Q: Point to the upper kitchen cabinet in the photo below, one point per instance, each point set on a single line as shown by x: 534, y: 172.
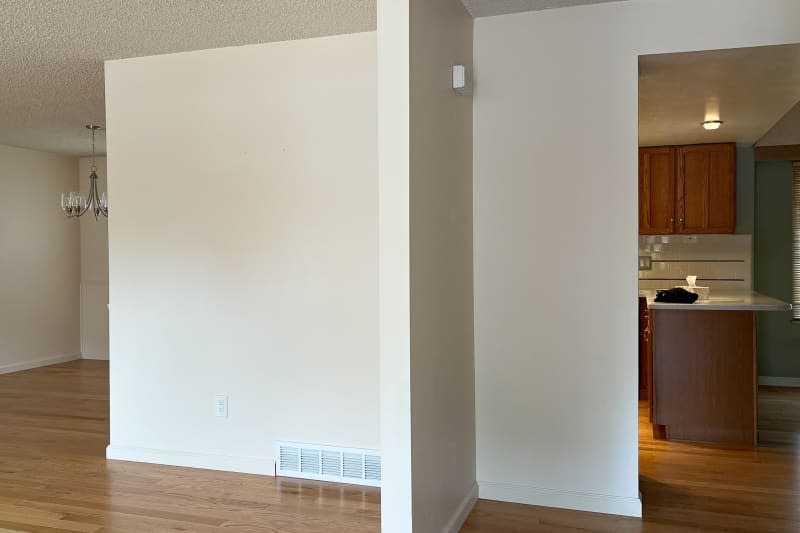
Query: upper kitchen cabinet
x: 657, y: 190
x: 706, y: 188
x: 687, y: 189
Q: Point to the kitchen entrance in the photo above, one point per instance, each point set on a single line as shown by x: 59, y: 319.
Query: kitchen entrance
x: 719, y: 257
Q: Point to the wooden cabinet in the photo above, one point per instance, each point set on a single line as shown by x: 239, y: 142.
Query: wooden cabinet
x: 704, y: 378
x: 687, y: 189
x: 644, y: 351
x: 706, y: 188
x: 657, y: 190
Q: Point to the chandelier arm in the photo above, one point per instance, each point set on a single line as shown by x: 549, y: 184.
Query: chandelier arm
x: 99, y: 209
x: 83, y: 209
x: 94, y: 195
x: 90, y: 198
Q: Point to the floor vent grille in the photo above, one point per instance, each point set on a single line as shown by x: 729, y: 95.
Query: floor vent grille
x: 329, y: 463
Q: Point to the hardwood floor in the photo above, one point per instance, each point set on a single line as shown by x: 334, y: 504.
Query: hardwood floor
x: 688, y: 487
x: 54, y: 478
x: 779, y: 420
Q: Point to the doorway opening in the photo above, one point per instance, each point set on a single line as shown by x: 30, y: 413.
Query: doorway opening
x: 719, y: 380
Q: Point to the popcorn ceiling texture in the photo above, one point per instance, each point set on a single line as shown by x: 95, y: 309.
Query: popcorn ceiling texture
x: 487, y: 8
x: 52, y: 51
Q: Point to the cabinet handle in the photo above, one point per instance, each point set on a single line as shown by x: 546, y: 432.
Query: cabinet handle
x: 672, y: 223
x: 681, y: 223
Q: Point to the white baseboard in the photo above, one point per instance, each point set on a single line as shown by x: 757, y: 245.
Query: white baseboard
x: 579, y: 501
x: 95, y: 357
x: 776, y: 381
x: 462, y: 512
x: 36, y: 363
x: 208, y: 461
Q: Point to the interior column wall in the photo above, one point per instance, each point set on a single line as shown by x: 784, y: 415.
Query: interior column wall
x: 394, y: 264
x: 442, y: 340
x: 427, y: 345
x: 556, y: 236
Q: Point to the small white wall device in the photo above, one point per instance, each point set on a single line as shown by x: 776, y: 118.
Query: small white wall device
x: 460, y: 82
x: 221, y: 405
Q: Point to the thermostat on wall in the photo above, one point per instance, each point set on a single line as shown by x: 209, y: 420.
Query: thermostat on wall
x: 460, y: 82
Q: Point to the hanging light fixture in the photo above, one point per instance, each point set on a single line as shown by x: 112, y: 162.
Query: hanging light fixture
x: 75, y: 204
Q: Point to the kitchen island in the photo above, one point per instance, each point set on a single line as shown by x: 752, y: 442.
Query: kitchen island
x: 703, y: 362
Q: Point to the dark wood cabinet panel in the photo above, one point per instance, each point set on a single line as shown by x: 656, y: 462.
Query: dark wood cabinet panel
x: 687, y: 189
x: 706, y: 188
x: 692, y: 188
x: 657, y: 190
x: 704, y: 375
x: 722, y: 190
x: 644, y: 350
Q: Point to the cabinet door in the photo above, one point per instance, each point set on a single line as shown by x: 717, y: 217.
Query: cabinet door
x: 657, y: 190
x: 706, y: 188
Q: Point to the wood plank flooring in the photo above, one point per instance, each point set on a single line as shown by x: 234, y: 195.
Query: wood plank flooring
x: 54, y: 478
x: 687, y: 487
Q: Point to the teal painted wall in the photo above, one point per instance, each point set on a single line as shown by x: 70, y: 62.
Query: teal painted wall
x: 778, y: 338
x: 745, y: 193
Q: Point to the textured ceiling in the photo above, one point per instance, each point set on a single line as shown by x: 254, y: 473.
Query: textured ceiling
x: 785, y: 131
x: 52, y: 51
x: 749, y: 89
x: 488, y: 8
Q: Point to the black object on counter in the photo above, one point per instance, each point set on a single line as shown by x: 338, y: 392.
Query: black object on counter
x: 676, y: 295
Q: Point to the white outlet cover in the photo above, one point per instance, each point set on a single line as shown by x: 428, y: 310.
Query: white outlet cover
x: 221, y: 405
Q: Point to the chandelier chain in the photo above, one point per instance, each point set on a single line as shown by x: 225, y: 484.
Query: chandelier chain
x: 94, y: 160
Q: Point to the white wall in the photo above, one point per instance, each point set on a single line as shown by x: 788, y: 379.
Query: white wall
x: 442, y: 341
x: 556, y: 236
x: 94, y: 270
x: 40, y: 260
x: 395, y: 300
x: 243, y: 251
x: 427, y: 357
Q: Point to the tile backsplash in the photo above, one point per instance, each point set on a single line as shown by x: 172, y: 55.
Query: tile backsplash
x: 719, y: 261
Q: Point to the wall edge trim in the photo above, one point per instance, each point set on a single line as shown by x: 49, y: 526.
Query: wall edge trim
x: 462, y: 512
x: 96, y: 357
x: 565, y: 499
x: 264, y: 466
x: 37, y: 363
x: 778, y: 381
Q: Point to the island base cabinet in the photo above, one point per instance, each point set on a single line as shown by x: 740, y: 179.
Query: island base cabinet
x: 704, y: 376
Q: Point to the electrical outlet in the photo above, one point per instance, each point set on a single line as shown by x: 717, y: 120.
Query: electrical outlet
x: 221, y: 405
x: 645, y: 262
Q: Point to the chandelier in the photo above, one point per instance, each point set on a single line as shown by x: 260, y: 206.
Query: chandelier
x: 75, y: 204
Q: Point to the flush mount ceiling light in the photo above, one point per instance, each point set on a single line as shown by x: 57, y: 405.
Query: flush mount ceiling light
x: 712, y: 124
x: 75, y: 204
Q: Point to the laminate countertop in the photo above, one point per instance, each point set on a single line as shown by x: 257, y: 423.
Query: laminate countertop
x: 722, y: 301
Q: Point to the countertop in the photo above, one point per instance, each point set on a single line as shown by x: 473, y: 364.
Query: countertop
x: 722, y: 301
